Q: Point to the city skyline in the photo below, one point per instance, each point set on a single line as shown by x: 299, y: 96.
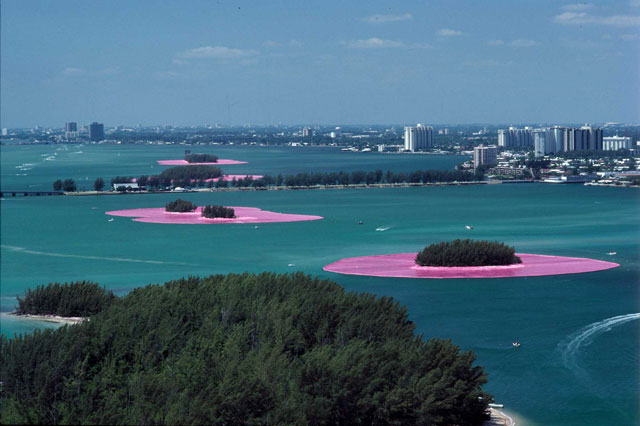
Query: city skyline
x: 237, y: 63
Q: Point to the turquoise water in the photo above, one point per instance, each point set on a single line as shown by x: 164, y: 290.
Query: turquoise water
x: 571, y: 368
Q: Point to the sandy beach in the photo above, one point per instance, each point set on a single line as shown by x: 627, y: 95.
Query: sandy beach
x: 51, y: 318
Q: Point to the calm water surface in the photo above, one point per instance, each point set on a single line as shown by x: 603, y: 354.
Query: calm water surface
x: 579, y: 359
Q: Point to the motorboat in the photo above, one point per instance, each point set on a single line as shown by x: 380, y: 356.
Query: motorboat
x: 469, y: 227
x: 516, y: 344
x: 612, y: 253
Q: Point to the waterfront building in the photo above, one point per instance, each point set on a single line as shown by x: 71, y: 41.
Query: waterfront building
x: 515, y: 137
x: 485, y: 156
x: 418, y: 138
x: 5, y: 131
x: 582, y: 139
x: 614, y: 143
x: 307, y: 132
x: 96, y: 131
x: 547, y: 141
x: 70, y: 130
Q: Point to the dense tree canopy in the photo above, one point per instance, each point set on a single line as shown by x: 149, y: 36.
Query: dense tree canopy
x: 467, y: 253
x: 75, y: 299
x: 241, y: 349
x: 201, y: 158
x: 57, y: 185
x: 69, y: 185
x: 98, y: 185
x: 189, y: 173
x: 180, y: 206
x: 211, y: 212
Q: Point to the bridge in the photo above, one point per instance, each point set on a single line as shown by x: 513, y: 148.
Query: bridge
x: 4, y: 193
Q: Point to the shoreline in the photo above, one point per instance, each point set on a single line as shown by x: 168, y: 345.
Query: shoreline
x: 280, y: 188
x: 49, y: 318
x: 499, y: 418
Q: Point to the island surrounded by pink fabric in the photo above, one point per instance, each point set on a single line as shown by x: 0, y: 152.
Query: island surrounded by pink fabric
x: 243, y: 215
x: 220, y: 162
x: 403, y: 265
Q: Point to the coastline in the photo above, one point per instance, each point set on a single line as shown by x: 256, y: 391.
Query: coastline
x: 50, y: 318
x: 499, y: 418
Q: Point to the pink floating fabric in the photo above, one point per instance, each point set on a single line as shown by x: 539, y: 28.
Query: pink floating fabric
x: 220, y: 162
x: 244, y: 215
x: 403, y: 265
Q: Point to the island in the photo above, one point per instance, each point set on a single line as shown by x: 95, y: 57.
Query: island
x: 196, y: 217
x: 467, y: 253
x: 213, y: 212
x: 201, y: 158
x: 180, y: 206
x: 66, y: 303
x: 242, y: 349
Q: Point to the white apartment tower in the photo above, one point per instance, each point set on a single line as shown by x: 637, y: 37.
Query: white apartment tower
x: 418, y: 137
x: 485, y: 156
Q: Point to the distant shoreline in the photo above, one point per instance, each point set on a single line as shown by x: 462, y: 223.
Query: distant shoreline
x: 49, y: 318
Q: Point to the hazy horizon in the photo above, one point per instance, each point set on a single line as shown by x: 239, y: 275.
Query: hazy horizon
x: 233, y: 63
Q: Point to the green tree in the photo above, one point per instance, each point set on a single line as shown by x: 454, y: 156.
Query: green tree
x: 57, y: 185
x: 98, y: 184
x: 69, y: 185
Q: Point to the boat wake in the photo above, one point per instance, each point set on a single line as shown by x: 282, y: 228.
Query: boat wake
x: 382, y: 228
x: 78, y: 256
x: 570, y: 346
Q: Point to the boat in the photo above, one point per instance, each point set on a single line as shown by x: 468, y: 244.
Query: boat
x: 612, y: 253
x: 382, y: 228
x: 496, y: 405
x: 516, y: 344
x: 111, y: 220
x: 256, y: 227
x: 360, y: 222
x: 469, y: 227
x: 291, y: 264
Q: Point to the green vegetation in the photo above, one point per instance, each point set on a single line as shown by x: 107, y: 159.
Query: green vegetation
x: 57, y: 185
x: 98, y: 185
x: 241, y: 349
x: 211, y: 212
x: 201, y: 158
x: 190, y: 173
x: 180, y: 206
x: 69, y: 185
x: 467, y: 253
x: 75, y: 299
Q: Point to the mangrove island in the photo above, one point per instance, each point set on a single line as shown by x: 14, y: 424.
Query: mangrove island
x: 467, y: 253
x: 180, y: 206
x: 213, y: 212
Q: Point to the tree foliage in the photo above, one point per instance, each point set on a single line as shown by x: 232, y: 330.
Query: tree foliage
x: 180, y: 206
x: 201, y: 158
x: 189, y: 173
x: 467, y: 253
x: 98, y: 185
x: 75, y: 299
x: 69, y: 185
x: 241, y: 349
x: 57, y: 185
x: 211, y: 212
x: 122, y: 179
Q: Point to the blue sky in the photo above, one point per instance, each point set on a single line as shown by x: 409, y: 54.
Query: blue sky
x: 205, y: 62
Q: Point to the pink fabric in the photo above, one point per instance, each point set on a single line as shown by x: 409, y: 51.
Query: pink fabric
x: 244, y: 215
x: 403, y: 265
x: 220, y: 162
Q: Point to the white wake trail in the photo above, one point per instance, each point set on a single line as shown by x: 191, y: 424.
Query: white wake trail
x: 571, y: 345
x: 79, y: 256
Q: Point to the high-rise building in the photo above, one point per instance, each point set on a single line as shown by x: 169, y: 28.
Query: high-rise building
x: 418, y: 137
x: 515, y: 137
x: 70, y: 130
x: 582, y: 139
x: 307, y: 132
x: 96, y: 131
x: 485, y: 156
x: 614, y: 143
x: 5, y: 131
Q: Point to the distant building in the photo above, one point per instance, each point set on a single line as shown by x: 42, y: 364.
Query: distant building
x: 70, y: 130
x: 96, y: 131
x: 485, y: 156
x: 581, y: 139
x: 5, y: 132
x: 128, y: 186
x: 418, y: 137
x: 515, y: 137
x: 307, y: 132
x: 614, y: 143
x: 547, y: 141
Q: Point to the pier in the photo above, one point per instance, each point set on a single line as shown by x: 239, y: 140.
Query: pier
x: 29, y: 193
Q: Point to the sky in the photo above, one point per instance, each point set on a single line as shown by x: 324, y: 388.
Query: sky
x: 195, y: 62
